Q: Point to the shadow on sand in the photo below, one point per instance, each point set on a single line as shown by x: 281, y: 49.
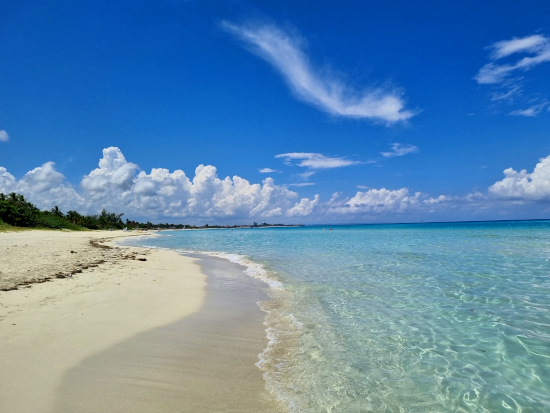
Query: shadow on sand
x: 202, y: 363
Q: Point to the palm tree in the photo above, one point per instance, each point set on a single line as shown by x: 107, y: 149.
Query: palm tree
x: 74, y: 217
x: 57, y: 212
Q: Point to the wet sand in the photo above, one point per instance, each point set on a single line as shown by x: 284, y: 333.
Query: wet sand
x: 202, y: 363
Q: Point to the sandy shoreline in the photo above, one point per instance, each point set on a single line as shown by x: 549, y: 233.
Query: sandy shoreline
x: 127, y: 323
x: 30, y: 257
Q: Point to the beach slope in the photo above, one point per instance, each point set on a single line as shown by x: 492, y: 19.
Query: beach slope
x: 48, y: 328
x: 89, y: 326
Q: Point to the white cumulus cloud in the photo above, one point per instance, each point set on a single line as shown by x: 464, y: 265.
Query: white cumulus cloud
x: 44, y: 185
x: 525, y: 186
x: 4, y: 137
x: 7, y: 181
x: 114, y: 171
x: 304, y: 207
x: 119, y: 185
x: 41, y: 179
x: 327, y: 92
x: 378, y: 201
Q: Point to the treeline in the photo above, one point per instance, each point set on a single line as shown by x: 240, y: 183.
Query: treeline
x: 17, y: 211
x: 149, y: 225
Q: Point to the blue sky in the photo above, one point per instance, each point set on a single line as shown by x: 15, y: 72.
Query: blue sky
x: 459, y: 90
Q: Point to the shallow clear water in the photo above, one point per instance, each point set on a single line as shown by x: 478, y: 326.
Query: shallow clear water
x: 400, y: 318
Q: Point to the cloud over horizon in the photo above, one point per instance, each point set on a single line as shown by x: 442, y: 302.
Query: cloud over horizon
x: 119, y: 185
x: 378, y: 201
x: 327, y: 92
x: 525, y: 186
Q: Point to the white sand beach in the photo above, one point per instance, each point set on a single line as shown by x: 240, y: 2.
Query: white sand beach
x: 49, y: 329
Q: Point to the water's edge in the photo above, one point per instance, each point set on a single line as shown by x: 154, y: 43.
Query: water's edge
x: 281, y: 330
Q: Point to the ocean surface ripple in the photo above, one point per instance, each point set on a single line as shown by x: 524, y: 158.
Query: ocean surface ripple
x: 399, y: 318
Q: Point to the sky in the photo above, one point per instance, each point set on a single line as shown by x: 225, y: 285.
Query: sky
x: 225, y: 112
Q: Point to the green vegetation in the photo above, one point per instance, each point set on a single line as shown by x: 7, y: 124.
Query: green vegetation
x: 18, y: 212
x: 8, y: 228
x: 105, y: 220
x: 149, y: 225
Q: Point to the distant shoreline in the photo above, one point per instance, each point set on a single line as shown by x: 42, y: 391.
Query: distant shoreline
x: 243, y: 227
x: 429, y: 222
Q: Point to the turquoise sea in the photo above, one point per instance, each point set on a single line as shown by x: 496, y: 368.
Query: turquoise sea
x: 446, y: 317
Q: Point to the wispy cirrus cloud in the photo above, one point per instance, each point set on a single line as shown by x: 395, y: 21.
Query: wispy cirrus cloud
x: 268, y: 170
x: 306, y: 175
x: 537, y: 45
x: 507, y: 78
x: 508, y: 91
x: 284, y: 51
x: 531, y: 111
x: 301, y: 184
x: 316, y: 160
x: 400, y: 149
x: 505, y: 48
x: 4, y: 137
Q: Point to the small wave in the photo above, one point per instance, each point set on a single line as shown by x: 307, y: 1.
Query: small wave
x: 253, y: 269
x: 276, y: 360
x: 282, y: 328
x: 154, y: 247
x: 128, y: 242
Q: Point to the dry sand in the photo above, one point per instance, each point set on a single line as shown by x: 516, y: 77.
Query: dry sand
x: 125, y: 335
x: 37, y: 255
